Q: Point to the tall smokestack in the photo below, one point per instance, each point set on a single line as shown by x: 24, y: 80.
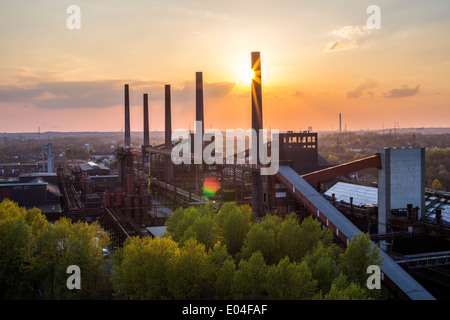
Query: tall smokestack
x: 168, y: 121
x: 146, y: 131
x: 198, y: 139
x: 127, y: 118
x: 340, y: 123
x: 257, y: 124
x: 257, y: 121
x: 199, y: 99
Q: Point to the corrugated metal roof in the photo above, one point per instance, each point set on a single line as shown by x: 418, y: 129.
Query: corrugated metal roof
x: 92, y: 165
x: 362, y: 195
x: 432, y: 203
x: 157, y: 231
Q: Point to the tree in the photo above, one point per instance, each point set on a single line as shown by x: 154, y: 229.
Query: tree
x: 250, y: 280
x: 36, y: 254
x: 322, y: 261
x: 216, y: 258
x: 261, y: 237
x: 436, y: 185
x: 187, y: 272
x: 310, y: 234
x: 332, y: 159
x: 290, y: 281
x: 341, y: 289
x: 179, y: 221
x: 192, y: 222
x: 202, y: 229
x: 233, y: 223
x: 140, y: 268
x: 224, y: 279
x: 16, y: 240
x: 290, y: 239
x: 359, y: 254
x: 64, y: 244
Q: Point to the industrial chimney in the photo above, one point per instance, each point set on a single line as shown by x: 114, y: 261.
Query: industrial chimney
x: 199, y: 99
x: 127, y: 118
x: 168, y: 121
x: 146, y: 127
x: 198, y: 136
x: 257, y: 121
x: 257, y: 124
x: 168, y: 134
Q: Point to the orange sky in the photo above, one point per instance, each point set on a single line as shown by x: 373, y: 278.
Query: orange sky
x: 318, y: 60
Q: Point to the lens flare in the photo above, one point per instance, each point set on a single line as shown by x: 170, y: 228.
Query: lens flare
x: 210, y: 186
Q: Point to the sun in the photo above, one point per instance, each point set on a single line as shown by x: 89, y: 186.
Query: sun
x: 246, y: 74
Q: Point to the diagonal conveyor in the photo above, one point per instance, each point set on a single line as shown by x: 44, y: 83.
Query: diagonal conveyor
x: 393, y: 275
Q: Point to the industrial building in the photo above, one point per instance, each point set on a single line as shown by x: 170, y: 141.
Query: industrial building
x: 94, y: 169
x: 35, y: 190
x: 8, y: 170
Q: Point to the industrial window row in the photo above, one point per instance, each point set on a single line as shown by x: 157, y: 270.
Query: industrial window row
x: 309, y: 139
x: 305, y: 146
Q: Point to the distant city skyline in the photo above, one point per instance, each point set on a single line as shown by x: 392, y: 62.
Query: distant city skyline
x: 319, y: 59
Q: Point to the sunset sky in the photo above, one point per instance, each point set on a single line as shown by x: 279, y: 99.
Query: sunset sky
x: 318, y: 59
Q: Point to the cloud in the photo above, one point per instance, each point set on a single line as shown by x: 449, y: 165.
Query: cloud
x: 66, y: 95
x: 359, y: 90
x: 341, y: 45
x: 103, y: 94
x: 351, y: 32
x: 297, y: 93
x: 49, y: 96
x: 404, y: 91
x: 219, y: 89
x: 351, y: 37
